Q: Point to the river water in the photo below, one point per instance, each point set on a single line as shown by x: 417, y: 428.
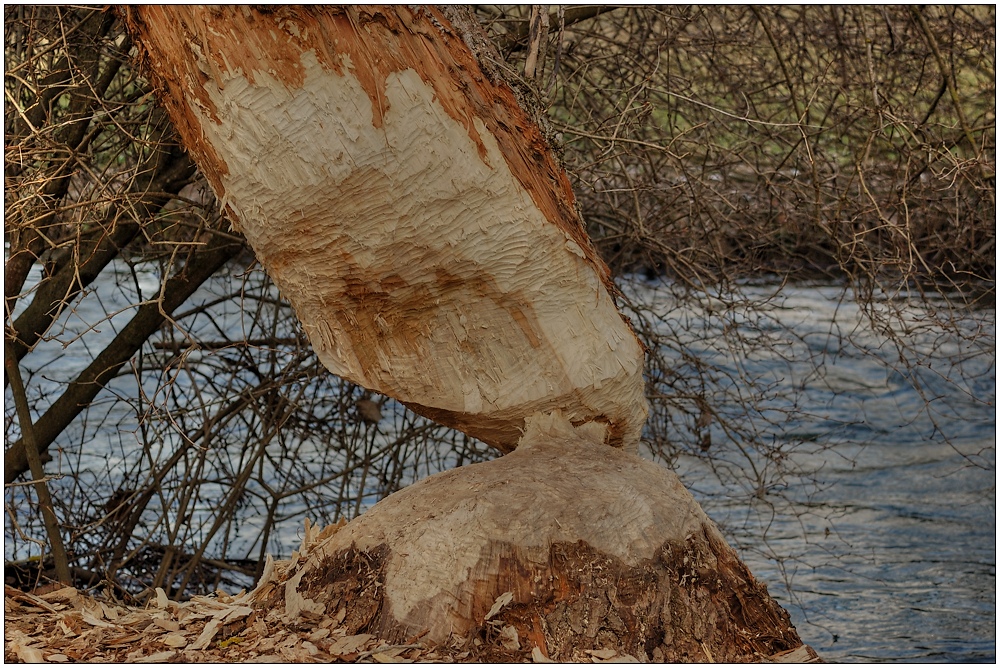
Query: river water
x: 891, y: 554
x: 880, y: 538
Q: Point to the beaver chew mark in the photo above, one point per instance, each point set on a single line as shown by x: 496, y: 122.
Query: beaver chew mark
x: 350, y: 582
x: 693, y: 601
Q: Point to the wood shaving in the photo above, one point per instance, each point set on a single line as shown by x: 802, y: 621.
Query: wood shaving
x: 65, y: 625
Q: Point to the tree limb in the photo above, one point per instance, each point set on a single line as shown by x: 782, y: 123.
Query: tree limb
x: 512, y: 41
x: 35, y: 463
x: 144, y: 323
x: 97, y: 249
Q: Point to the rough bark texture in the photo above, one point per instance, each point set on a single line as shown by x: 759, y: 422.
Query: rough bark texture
x: 407, y: 206
x: 598, y: 548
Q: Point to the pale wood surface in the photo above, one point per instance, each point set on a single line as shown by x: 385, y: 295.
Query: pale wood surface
x: 406, y: 206
x: 458, y: 528
x: 575, y: 545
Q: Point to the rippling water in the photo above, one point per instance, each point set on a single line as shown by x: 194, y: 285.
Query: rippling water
x: 883, y: 546
x: 892, y: 556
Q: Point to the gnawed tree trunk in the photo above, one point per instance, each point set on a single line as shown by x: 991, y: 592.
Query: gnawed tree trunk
x: 409, y: 208
x: 566, y: 545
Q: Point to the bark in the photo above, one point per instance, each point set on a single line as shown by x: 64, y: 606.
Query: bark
x: 407, y: 206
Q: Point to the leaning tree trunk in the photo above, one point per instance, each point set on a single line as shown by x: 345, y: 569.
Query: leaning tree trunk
x: 410, y: 209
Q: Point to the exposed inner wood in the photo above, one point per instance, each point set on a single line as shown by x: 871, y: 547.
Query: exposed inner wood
x: 407, y: 207
x: 597, y: 548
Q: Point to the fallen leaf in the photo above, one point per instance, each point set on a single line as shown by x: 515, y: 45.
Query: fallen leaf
x: 159, y: 657
x: 502, y: 600
x: 602, y: 653
x: 538, y: 657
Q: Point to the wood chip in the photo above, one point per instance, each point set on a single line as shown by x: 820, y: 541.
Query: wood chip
x: 109, y: 612
x: 166, y: 624
x: 296, y: 603
x: 125, y: 639
x: 67, y: 594
x: 67, y: 630
x: 801, y: 654
x: 618, y: 658
x: 502, y: 600
x: 26, y: 653
x: 206, y: 635
x: 602, y: 653
x: 509, y: 639
x: 174, y: 640
x: 538, y: 657
x: 265, y: 658
x: 159, y: 657
x: 350, y: 644
x: 91, y: 618
x: 57, y: 658
x: 234, y: 613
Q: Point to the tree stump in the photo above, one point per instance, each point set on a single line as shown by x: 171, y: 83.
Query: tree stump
x: 564, y: 545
